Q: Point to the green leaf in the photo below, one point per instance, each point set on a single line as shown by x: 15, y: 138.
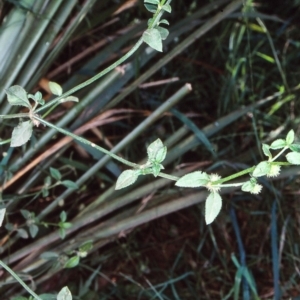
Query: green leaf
x: 156, y: 151
x: 290, y: 137
x: 167, y: 8
x: 266, y: 150
x: 55, y: 88
x: 64, y: 294
x: 22, y: 233
x: 164, y: 21
x: 163, y: 32
x: 278, y: 144
x: 16, y: 95
x: 213, y: 206
x: 247, y: 186
x: 63, y: 216
x: 38, y: 96
x: 295, y: 147
x: 156, y: 169
x: 194, y: 179
x: 9, y: 226
x: 2, y: 214
x: 21, y: 134
x: 155, y: 2
x: 126, y: 178
x: 65, y: 225
x: 55, y: 174
x: 62, y: 233
x: 25, y: 213
x: 152, y: 37
x: 86, y: 246
x: 47, y: 296
x: 263, y: 168
x: 69, y: 184
x: 33, y: 230
x: 151, y: 5
x: 293, y: 158
x: 72, y: 262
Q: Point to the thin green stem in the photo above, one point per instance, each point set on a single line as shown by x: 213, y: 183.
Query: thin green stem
x: 21, y: 115
x: 86, y: 142
x: 5, y: 142
x: 13, y: 274
x: 238, y: 174
x: 91, y: 80
x: 167, y: 176
x: 285, y: 148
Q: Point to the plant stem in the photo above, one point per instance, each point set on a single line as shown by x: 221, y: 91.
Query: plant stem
x: 285, y: 148
x: 167, y: 176
x: 96, y: 77
x: 21, y: 115
x: 249, y: 170
x: 13, y: 274
x: 86, y: 142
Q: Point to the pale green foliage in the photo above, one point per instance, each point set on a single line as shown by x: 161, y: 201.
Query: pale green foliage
x: 21, y: 134
x: 55, y: 88
x: 16, y: 95
x: 64, y: 294
x: 127, y: 178
x: 213, y: 205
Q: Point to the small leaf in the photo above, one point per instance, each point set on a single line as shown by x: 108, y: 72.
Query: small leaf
x: 21, y: 134
x: 263, y: 168
x: 45, y: 192
x: 65, y: 225
x: 247, y: 186
x: 16, y: 95
x: 69, y: 184
x: 33, y: 230
x: 167, y: 8
x: 47, y: 297
x: 266, y: 150
x: 22, y: 233
x: 194, y: 179
x: 156, y: 149
x: 161, y: 154
x: 153, y: 39
x: 38, y: 96
x: 86, y: 246
x: 55, y: 88
x: 9, y: 226
x: 25, y: 213
x: 290, y: 137
x: 55, y: 174
x: 63, y: 216
x: 151, y: 7
x: 72, y: 262
x: 213, y: 206
x: 126, y: 178
x: 64, y: 294
x: 278, y: 144
x: 293, y: 158
x: 2, y: 214
x: 164, y: 21
x: 156, y: 169
x: 295, y: 147
x: 155, y: 2
x: 163, y: 32
x: 62, y: 233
